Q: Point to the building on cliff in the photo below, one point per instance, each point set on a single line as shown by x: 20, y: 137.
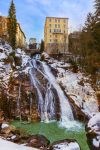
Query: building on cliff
x: 32, y: 43
x: 20, y: 36
x: 56, y: 35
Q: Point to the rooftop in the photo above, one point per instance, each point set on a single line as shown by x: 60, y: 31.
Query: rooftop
x: 58, y: 17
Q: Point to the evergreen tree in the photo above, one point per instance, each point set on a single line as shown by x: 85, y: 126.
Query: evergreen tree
x: 12, y: 25
x: 87, y: 34
x: 89, y: 23
x: 42, y: 46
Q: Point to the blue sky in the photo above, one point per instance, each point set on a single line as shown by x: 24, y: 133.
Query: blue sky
x: 31, y: 13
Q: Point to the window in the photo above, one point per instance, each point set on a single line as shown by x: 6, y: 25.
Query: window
x: 0, y: 24
x: 55, y: 25
x: 50, y: 40
x: 64, y: 20
x: 58, y: 20
x: 54, y: 30
x: 59, y: 30
x: 50, y: 30
x: 50, y: 20
x: 58, y: 25
x: 56, y: 40
x: 55, y: 20
x: 50, y: 25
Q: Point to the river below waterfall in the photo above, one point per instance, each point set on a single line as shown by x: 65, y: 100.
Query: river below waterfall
x: 54, y: 131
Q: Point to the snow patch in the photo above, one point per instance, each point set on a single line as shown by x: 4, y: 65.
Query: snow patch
x: 6, y: 145
x: 83, y: 95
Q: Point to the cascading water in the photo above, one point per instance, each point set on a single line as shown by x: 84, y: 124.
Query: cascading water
x: 49, y: 107
x: 35, y: 82
x: 18, y: 102
x: 66, y: 111
x: 46, y: 103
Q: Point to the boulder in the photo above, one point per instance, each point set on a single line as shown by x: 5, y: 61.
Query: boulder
x: 66, y: 144
x: 93, y: 132
x: 7, y: 129
x: 38, y: 141
x: 19, y: 139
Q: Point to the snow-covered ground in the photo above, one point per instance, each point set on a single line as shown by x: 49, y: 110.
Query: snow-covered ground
x: 83, y: 95
x: 6, y: 145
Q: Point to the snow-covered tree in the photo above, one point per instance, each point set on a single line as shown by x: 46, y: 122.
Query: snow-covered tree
x: 97, y: 7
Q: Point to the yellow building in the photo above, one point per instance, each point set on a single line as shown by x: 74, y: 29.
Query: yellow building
x: 20, y: 36
x: 56, y: 35
x: 3, y: 27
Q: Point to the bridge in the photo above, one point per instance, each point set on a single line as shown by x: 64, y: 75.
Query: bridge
x: 32, y: 52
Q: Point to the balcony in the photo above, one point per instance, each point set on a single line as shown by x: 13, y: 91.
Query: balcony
x: 57, y: 31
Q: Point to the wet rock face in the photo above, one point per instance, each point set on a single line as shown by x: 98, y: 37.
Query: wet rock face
x: 65, y: 145
x: 93, y: 132
x: 20, y: 100
x: 38, y: 141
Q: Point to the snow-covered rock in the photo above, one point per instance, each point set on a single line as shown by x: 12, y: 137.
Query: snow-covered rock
x: 13, y: 137
x: 93, y: 132
x: 83, y: 95
x: 65, y: 145
x: 5, y: 68
x: 76, y: 85
x: 7, y: 61
x: 4, y: 125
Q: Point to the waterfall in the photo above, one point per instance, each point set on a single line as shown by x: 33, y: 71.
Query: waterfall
x: 31, y: 105
x: 19, y: 101
x: 66, y: 111
x: 46, y: 104
x: 35, y: 82
x: 49, y: 107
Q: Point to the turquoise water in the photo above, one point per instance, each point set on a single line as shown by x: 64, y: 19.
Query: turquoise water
x: 54, y: 131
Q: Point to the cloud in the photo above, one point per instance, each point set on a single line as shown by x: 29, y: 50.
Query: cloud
x: 31, y: 13
x: 0, y: 13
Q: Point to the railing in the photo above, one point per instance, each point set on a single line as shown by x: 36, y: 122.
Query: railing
x: 57, y: 31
